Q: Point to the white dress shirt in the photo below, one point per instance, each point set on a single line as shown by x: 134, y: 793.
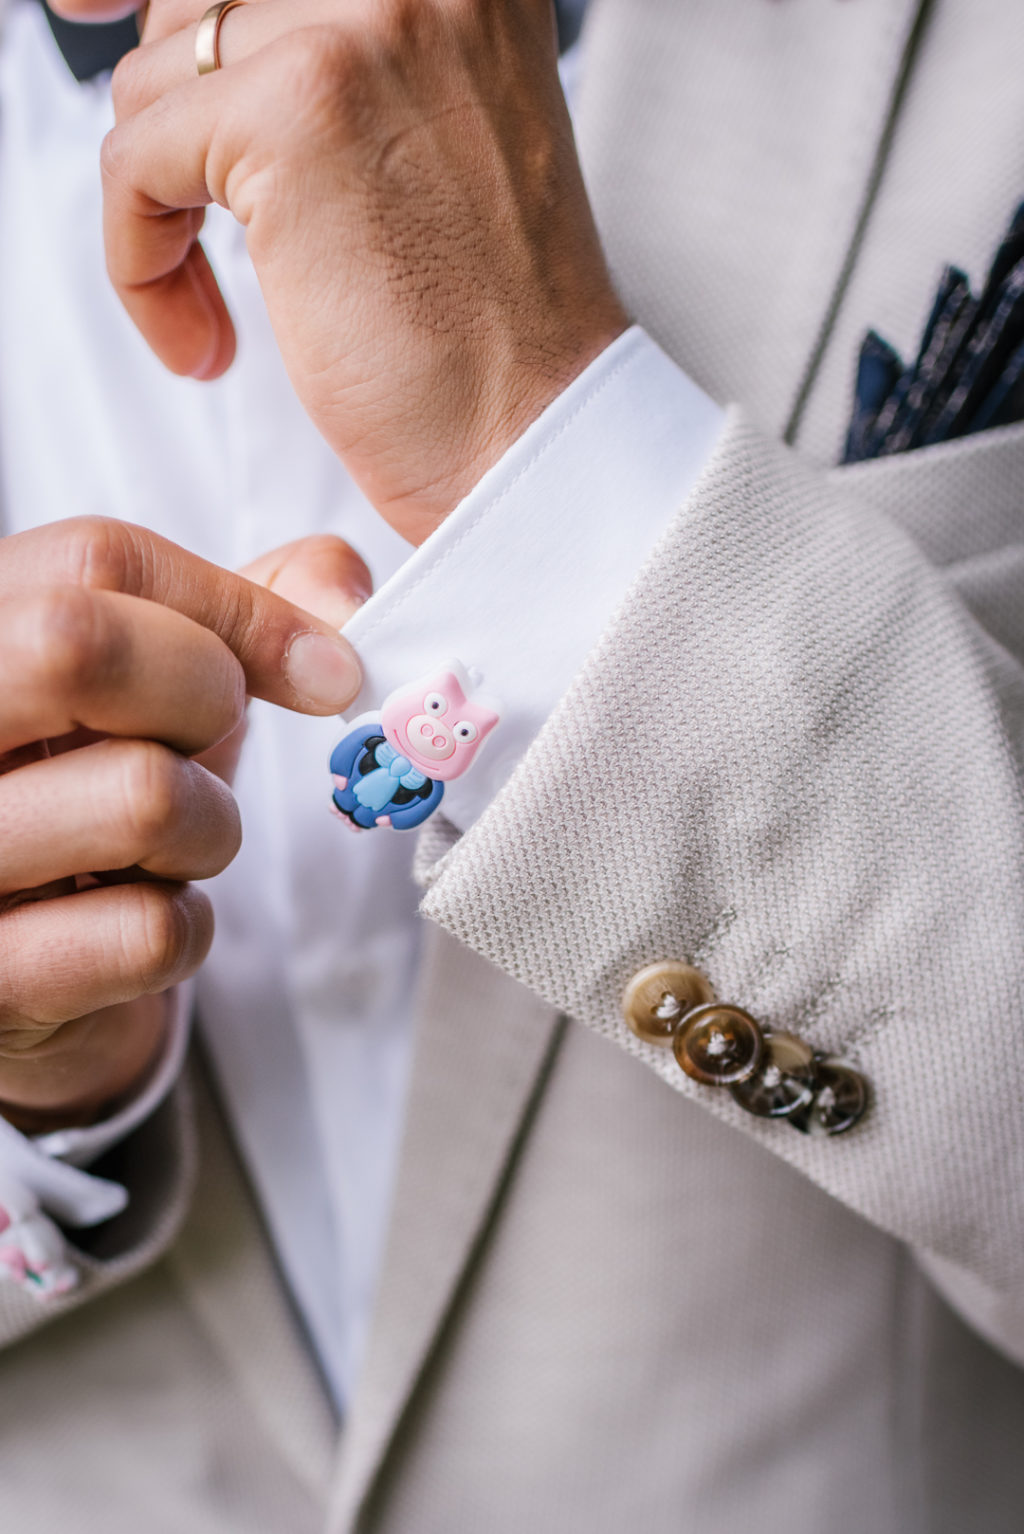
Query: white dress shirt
x: 305, y: 1000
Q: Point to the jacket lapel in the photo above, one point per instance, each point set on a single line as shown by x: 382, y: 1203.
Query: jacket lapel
x: 228, y: 1277
x: 751, y: 328
x: 732, y: 153
x: 483, y: 1050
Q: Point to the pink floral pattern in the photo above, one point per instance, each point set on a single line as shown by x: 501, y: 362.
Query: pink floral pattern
x: 33, y: 1252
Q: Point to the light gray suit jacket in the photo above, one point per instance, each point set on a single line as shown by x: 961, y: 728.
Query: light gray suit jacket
x: 611, y: 1300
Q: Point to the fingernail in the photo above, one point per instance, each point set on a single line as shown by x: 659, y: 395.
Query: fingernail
x: 323, y: 671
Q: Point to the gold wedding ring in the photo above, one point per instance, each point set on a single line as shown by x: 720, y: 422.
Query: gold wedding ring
x: 207, y: 52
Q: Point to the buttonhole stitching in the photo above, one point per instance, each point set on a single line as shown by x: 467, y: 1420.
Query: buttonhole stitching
x: 712, y: 939
x: 876, y: 1022
x: 766, y: 967
x: 818, y: 1007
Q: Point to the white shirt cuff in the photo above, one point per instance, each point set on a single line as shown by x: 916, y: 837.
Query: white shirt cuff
x: 50, y: 1167
x: 521, y: 580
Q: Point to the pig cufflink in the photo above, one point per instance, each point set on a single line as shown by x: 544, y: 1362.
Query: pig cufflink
x: 391, y: 767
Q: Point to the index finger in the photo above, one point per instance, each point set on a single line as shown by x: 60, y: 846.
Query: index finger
x: 289, y: 657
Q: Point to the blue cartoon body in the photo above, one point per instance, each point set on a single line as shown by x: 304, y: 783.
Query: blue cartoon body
x: 375, y: 785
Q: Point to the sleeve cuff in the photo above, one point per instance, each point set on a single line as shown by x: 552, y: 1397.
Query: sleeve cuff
x: 81, y: 1147
x: 50, y: 1168
x: 521, y: 580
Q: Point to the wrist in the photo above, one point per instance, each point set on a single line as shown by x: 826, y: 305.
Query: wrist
x: 490, y: 407
x: 86, y: 1070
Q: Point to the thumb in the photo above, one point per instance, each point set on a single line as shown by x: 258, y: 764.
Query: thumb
x: 321, y: 573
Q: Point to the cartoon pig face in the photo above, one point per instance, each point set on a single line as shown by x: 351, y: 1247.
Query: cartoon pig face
x: 434, y: 724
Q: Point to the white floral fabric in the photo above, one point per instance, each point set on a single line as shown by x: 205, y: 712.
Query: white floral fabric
x: 33, y: 1252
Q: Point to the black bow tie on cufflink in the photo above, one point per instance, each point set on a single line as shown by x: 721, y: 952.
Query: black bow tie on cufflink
x: 969, y: 371
x: 90, y: 49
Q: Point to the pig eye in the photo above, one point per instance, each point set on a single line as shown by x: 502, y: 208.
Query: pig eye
x: 435, y: 703
x: 464, y: 731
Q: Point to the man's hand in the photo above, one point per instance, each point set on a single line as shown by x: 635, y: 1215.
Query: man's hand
x: 122, y: 657
x: 414, y: 209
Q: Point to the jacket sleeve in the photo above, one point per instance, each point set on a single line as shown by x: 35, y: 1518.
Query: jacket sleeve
x: 156, y: 1164
x: 794, y: 761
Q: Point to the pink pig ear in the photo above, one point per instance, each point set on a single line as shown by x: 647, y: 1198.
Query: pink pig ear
x: 484, y: 718
x: 455, y: 681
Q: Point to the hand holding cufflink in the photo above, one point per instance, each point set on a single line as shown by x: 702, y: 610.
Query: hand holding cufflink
x: 126, y: 662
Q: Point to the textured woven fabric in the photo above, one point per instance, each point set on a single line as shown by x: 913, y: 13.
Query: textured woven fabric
x: 663, y: 1328
x: 159, y: 1170
x: 833, y: 843
x: 730, y: 150
x: 610, y: 1299
x: 182, y: 1399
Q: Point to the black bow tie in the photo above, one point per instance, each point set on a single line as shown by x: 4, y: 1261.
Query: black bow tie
x: 90, y: 49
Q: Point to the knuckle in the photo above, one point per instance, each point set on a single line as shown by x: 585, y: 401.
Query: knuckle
x: 325, y: 56
x: 125, y: 84
x: 165, y: 942
x: 321, y: 69
x: 224, y: 844
x: 407, y: 29
x: 102, y: 553
x: 114, y: 153
x: 165, y: 17
x: 154, y: 795
x: 316, y: 96
x: 72, y: 640
x: 398, y: 20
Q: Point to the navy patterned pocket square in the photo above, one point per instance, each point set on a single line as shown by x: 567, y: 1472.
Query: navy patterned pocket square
x: 969, y: 369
